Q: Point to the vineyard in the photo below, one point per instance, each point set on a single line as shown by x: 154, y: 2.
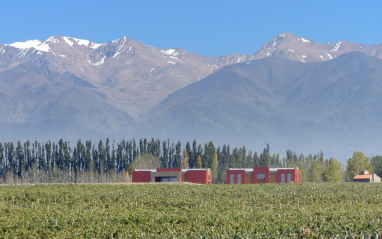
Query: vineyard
x: 307, y: 210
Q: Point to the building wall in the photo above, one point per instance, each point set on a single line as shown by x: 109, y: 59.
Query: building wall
x: 169, y: 169
x: 262, y: 175
x: 171, y: 173
x: 366, y: 180
x: 199, y: 176
x: 376, y: 178
x: 236, y: 178
x: 282, y: 176
x: 272, y: 177
x: 141, y: 176
x: 202, y: 176
x: 257, y: 171
x: 248, y: 177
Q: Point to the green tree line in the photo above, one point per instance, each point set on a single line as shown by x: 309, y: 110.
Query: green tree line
x: 111, y: 161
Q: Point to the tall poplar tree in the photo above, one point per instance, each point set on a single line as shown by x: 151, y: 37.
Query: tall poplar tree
x: 333, y: 171
x: 199, y: 162
x: 185, y: 159
x: 359, y: 162
x: 214, y: 168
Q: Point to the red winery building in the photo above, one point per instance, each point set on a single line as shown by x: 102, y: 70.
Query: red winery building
x: 263, y: 175
x: 202, y: 176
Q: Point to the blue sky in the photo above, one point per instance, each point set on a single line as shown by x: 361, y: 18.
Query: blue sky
x: 210, y: 28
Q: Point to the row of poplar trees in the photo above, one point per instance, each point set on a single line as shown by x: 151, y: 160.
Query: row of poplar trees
x: 110, y: 161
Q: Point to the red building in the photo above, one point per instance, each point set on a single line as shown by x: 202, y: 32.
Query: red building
x: 263, y: 175
x: 366, y: 177
x: 201, y: 176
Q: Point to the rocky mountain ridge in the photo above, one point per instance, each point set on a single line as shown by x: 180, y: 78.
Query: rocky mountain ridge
x: 134, y: 77
x: 333, y: 105
x: 289, y: 46
x: 72, y: 88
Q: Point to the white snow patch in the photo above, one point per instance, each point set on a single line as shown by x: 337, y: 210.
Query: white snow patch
x: 329, y: 55
x: 322, y: 57
x: 53, y: 40
x: 118, y: 52
x: 268, y: 53
x: 82, y: 69
x: 304, y: 56
x: 95, y: 45
x: 2, y: 50
x: 100, y: 62
x: 36, y: 44
x: 39, y: 53
x: 248, y: 62
x: 67, y: 40
x: 168, y: 52
x: 274, y: 43
x: 62, y: 55
x: 121, y: 48
x: 26, y: 44
x: 171, y: 62
x: 22, y: 53
x: 172, y: 53
x: 82, y: 42
x: 43, y: 47
x: 305, y: 40
x: 290, y: 50
x: 337, y: 46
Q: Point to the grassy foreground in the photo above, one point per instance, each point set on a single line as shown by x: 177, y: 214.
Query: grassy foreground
x: 190, y: 211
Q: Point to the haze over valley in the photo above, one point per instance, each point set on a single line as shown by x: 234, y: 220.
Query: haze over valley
x: 293, y: 93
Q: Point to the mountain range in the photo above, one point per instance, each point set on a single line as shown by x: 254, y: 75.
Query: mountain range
x: 293, y: 93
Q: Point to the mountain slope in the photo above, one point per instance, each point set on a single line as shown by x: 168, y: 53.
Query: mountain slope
x: 292, y: 93
x: 296, y: 48
x: 38, y: 103
x: 133, y: 76
x: 333, y: 105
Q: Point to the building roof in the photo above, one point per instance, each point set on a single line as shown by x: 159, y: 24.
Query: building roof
x: 251, y: 169
x: 151, y: 170
x: 245, y: 169
x: 170, y: 169
x: 365, y: 176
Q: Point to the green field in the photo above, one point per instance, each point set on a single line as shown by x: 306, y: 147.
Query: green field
x: 196, y: 211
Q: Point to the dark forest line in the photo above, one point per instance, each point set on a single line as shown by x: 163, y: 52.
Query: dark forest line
x: 110, y: 161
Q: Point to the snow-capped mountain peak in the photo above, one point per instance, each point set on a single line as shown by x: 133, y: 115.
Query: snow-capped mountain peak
x: 172, y: 53
x: 74, y: 41
x: 25, y: 45
x: 54, y: 40
x: 292, y: 47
